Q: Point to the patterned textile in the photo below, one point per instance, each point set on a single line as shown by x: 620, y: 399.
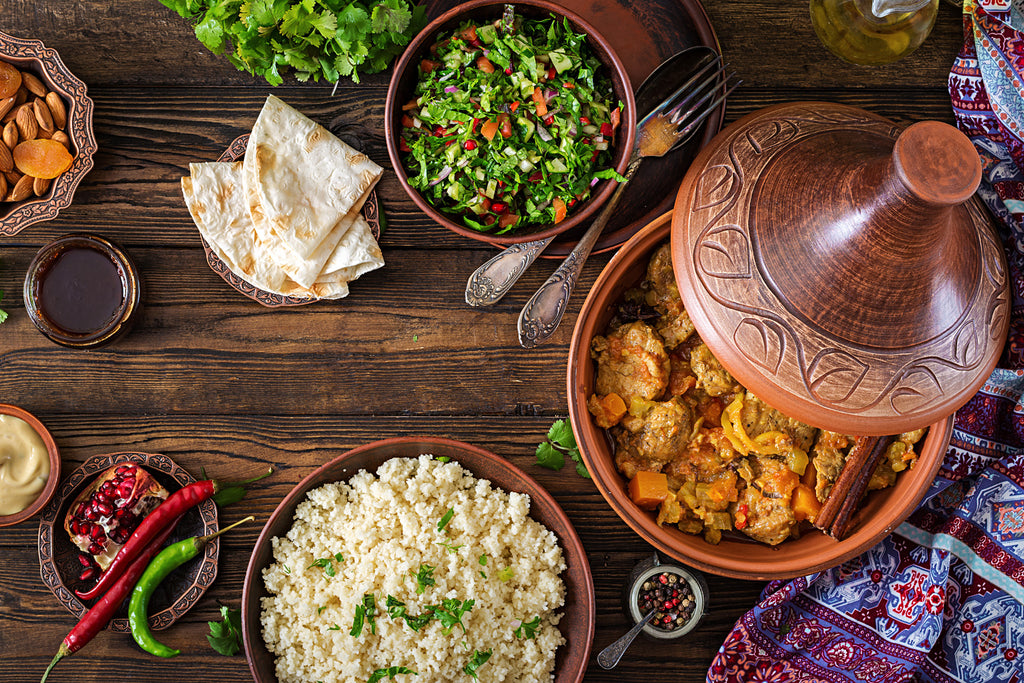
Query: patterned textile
x: 942, y: 599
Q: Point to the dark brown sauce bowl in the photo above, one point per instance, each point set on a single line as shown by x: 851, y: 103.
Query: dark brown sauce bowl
x: 736, y: 556
x: 51, y: 481
x: 406, y: 73
x: 105, y: 331
x: 578, y: 612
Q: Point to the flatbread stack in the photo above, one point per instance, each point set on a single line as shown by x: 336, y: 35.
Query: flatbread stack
x: 288, y: 219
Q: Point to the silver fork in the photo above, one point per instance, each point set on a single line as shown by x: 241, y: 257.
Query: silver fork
x: 670, y: 124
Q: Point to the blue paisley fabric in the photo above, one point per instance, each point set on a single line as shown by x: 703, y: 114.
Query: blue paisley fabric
x: 941, y: 599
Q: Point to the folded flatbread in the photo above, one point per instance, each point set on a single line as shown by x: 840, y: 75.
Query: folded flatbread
x: 304, y: 186
x: 215, y: 198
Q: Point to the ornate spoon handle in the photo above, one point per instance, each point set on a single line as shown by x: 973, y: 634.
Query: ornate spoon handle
x: 545, y: 309
x: 492, y: 280
x: 611, y: 655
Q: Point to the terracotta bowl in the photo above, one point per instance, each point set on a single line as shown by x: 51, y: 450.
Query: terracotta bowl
x: 736, y: 556
x: 51, y: 481
x: 46, y: 64
x: 403, y: 82
x: 577, y: 624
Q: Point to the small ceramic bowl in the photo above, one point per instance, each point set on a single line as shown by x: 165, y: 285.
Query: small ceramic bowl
x: 578, y: 613
x: 736, y: 555
x: 403, y: 82
x: 44, y: 63
x: 52, y: 479
x: 82, y: 291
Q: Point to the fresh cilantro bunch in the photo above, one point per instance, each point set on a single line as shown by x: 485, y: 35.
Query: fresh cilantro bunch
x: 560, y: 442
x: 316, y: 38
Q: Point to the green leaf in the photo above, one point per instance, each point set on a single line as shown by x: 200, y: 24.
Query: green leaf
x: 445, y: 519
x: 390, y: 672
x: 476, y: 661
x: 424, y: 578
x: 528, y: 629
x: 210, y: 33
x: 353, y: 23
x: 226, y: 636
x: 548, y: 456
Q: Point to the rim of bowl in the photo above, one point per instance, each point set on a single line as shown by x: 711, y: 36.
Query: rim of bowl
x: 604, y: 189
x: 298, y: 492
x: 753, y: 560
x: 51, y: 480
x: 49, y: 67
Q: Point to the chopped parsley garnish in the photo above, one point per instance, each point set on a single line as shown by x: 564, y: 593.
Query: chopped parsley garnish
x: 320, y: 609
x: 287, y: 569
x: 560, y: 442
x: 447, y: 545
x: 327, y: 564
x: 390, y: 672
x: 450, y: 613
x: 424, y: 578
x: 335, y: 627
x: 483, y: 560
x: 366, y: 611
x: 476, y: 661
x: 528, y: 629
x: 506, y: 573
x: 447, y: 517
x: 443, y: 458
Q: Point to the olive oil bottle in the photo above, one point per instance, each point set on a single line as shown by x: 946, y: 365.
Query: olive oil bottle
x: 873, y: 31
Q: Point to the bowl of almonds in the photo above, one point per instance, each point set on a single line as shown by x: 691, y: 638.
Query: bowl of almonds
x: 46, y: 136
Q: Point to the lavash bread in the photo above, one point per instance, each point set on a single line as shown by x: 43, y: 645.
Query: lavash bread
x: 288, y: 219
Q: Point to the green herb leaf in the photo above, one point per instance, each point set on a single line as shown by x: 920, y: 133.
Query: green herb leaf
x: 226, y: 636
x: 447, y: 545
x: 450, y: 612
x: 3, y: 313
x: 476, y: 661
x: 335, y: 627
x: 366, y: 611
x: 528, y: 629
x: 506, y: 573
x: 560, y: 442
x: 442, y: 458
x: 445, y: 519
x: 390, y: 672
x: 483, y: 560
x: 287, y: 569
x: 424, y: 578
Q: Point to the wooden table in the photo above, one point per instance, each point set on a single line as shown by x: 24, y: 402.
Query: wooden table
x: 212, y: 379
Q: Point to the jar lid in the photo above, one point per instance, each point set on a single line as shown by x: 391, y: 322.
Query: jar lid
x: 840, y: 267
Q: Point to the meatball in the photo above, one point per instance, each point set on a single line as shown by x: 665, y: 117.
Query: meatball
x: 674, y: 325
x: 770, y: 518
x: 711, y: 376
x: 631, y: 362
x: 656, y: 438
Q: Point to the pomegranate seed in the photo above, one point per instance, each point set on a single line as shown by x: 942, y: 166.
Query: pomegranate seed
x: 552, y: 72
x: 606, y: 129
x: 96, y: 533
x: 584, y: 121
x: 469, y: 144
x: 125, y: 490
x: 572, y: 202
x: 85, y: 560
x: 80, y: 512
x: 108, y: 488
x: 87, y: 573
x: 550, y: 120
x: 105, y: 509
x: 124, y: 468
x: 498, y: 207
x: 91, y: 514
x: 440, y: 131
x: 508, y: 71
x: 95, y: 548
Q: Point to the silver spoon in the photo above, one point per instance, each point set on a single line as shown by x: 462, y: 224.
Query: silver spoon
x: 671, y: 123
x: 495, y: 278
x: 611, y: 655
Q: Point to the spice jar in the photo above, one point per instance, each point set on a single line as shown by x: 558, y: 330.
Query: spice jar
x: 82, y: 291
x: 680, y: 596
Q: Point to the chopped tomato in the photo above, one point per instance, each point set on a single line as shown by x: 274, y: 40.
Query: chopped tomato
x: 550, y: 120
x: 428, y: 65
x: 538, y: 99
x: 507, y: 219
x: 403, y: 146
x: 606, y: 129
x: 489, y: 218
x: 472, y: 128
x: 469, y: 144
x: 505, y: 122
x: 741, y: 516
x: 468, y: 34
x: 484, y: 64
x: 512, y: 107
x: 536, y: 177
x: 572, y: 203
x: 489, y: 129
x: 560, y: 209
x: 440, y: 131
x: 584, y: 121
x: 568, y: 85
x: 498, y: 207
x: 552, y: 72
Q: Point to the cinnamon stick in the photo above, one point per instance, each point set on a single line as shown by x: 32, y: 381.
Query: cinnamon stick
x: 850, y: 485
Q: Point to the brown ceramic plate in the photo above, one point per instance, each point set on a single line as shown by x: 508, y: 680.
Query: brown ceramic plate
x: 234, y: 152
x: 45, y: 63
x: 578, y: 613
x: 51, y: 451
x: 58, y: 556
x: 643, y: 35
x: 736, y: 556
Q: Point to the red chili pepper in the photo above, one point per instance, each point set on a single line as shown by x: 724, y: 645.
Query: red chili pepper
x: 96, y: 619
x: 176, y: 505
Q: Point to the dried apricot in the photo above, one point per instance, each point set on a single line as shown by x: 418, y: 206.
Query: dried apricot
x: 10, y: 80
x: 42, y: 158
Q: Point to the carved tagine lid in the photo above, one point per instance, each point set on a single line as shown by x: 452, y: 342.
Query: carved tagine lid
x: 841, y: 268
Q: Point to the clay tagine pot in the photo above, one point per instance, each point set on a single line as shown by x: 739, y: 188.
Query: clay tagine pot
x: 841, y: 268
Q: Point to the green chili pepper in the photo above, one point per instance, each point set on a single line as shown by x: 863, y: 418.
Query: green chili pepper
x: 169, y: 559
